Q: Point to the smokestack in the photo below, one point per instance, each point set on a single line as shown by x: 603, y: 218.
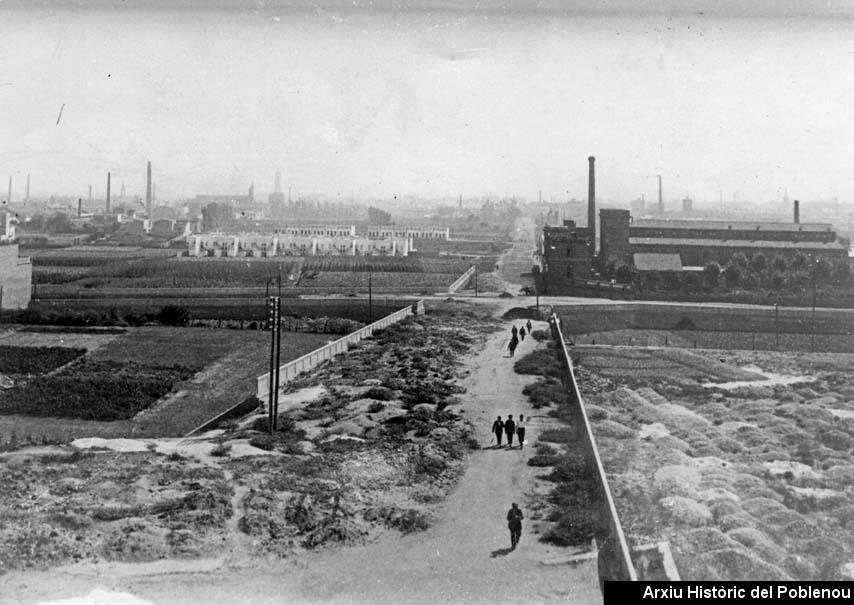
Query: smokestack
x: 148, y: 191
x: 27, y: 196
x: 797, y: 212
x: 79, y: 207
x: 9, y: 196
x: 108, y: 192
x: 591, y: 203
x: 660, y: 197
x: 90, y: 196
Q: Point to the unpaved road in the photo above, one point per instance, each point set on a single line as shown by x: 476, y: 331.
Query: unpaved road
x: 463, y: 558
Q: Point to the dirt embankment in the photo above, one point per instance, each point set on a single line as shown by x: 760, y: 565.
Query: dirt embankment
x: 750, y: 482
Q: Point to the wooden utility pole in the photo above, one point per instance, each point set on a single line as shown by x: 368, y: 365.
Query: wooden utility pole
x: 273, y: 321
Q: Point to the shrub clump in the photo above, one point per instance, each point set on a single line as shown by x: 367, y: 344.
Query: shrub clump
x: 573, y: 528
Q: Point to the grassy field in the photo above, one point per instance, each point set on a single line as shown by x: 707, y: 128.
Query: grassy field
x: 226, y: 362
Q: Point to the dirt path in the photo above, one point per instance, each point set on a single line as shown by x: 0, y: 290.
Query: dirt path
x: 463, y: 558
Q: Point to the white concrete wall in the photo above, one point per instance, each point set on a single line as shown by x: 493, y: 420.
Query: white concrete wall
x: 16, y: 278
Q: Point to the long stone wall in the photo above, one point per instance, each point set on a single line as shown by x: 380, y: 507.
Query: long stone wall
x: 292, y: 369
x: 615, y: 552
x: 462, y: 281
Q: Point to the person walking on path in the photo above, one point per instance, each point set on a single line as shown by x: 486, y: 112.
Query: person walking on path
x: 514, y: 342
x: 522, y: 333
x: 520, y: 430
x: 514, y: 331
x: 514, y: 524
x: 509, y: 430
x: 498, y: 429
x: 529, y: 326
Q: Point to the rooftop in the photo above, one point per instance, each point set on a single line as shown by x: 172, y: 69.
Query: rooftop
x: 734, y: 225
x: 653, y: 261
x: 739, y: 243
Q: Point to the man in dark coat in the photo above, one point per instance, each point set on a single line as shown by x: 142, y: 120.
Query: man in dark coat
x: 529, y: 326
x: 514, y: 524
x: 514, y: 331
x: 498, y: 429
x: 509, y: 429
x: 514, y: 342
x: 522, y: 333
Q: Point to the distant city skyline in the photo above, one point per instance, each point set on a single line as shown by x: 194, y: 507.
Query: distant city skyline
x: 431, y: 103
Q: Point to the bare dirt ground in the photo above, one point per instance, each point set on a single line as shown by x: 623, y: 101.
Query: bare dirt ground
x: 463, y: 557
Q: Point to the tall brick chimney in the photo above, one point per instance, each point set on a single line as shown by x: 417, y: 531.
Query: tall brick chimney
x: 108, y: 192
x: 591, y: 203
x: 797, y: 212
x: 148, y: 191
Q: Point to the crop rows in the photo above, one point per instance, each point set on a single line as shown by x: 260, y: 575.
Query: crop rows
x: 93, y: 390
x: 35, y: 360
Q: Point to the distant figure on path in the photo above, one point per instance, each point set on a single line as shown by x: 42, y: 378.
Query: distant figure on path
x: 522, y: 333
x: 520, y: 430
x: 514, y: 331
x: 514, y: 524
x: 509, y: 430
x: 529, y: 326
x: 514, y: 342
x: 498, y: 429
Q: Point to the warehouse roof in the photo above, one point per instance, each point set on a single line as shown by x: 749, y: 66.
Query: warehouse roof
x: 734, y: 225
x: 722, y: 243
x: 655, y: 261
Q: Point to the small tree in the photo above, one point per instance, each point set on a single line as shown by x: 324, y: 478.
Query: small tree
x: 758, y: 263
x: 172, y: 315
x: 711, y: 274
x: 739, y: 260
x: 778, y: 280
x: 651, y: 280
x: 780, y: 264
x: 822, y: 270
x: 732, y: 275
x: 625, y: 274
x: 671, y: 280
x: 799, y: 262
x: 692, y: 281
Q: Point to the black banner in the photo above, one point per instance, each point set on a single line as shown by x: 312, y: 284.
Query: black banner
x: 728, y: 592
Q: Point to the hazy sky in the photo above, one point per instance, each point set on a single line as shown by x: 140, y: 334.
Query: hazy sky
x: 430, y: 102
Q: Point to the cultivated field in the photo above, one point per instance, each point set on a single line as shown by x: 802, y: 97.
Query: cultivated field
x: 693, y: 339
x: 146, y: 381
x: 746, y: 481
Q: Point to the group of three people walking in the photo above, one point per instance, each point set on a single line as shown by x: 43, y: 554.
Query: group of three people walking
x: 515, y: 336
x: 509, y: 428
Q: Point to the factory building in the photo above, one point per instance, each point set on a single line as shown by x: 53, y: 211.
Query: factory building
x: 699, y: 242
x: 568, y: 251
x: 569, y: 256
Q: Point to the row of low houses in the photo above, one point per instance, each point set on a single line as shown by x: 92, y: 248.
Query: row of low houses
x: 259, y: 245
